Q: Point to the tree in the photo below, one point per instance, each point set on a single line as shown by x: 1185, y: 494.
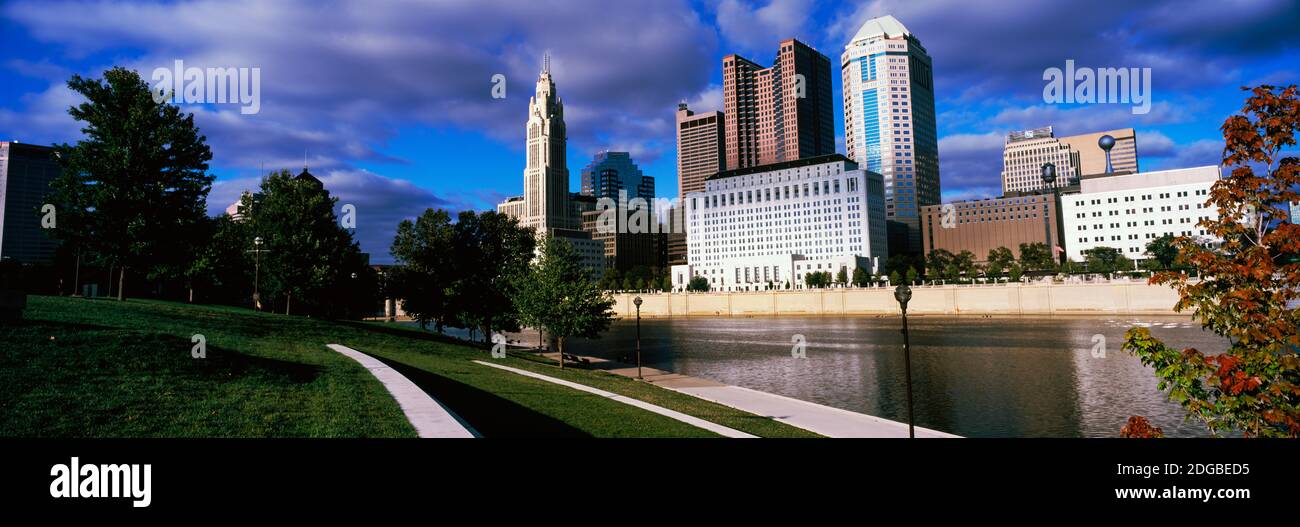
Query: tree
x: 490, y: 250
x: 1248, y: 285
x: 558, y: 296
x: 965, y: 264
x: 999, y: 260
x: 698, y: 284
x: 937, y: 263
x: 309, y: 256
x: 423, y: 252
x: 861, y: 277
x: 842, y: 277
x: 137, y: 183
x: 1015, y: 272
x: 911, y: 275
x: 1036, y: 257
x: 1104, y: 260
x: 666, y: 283
x: 1163, y: 251
x: 895, y: 278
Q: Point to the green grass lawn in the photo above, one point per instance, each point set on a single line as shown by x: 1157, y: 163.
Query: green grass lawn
x: 100, y: 368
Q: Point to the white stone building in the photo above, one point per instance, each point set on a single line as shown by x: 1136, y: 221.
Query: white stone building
x: 1127, y: 212
x: 772, y: 224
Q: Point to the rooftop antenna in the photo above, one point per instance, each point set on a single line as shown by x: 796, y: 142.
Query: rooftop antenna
x: 546, y: 62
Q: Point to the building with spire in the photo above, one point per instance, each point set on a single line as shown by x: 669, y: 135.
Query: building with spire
x: 889, y: 122
x: 546, y: 172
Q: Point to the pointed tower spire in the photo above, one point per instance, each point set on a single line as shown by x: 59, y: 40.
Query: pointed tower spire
x: 546, y: 63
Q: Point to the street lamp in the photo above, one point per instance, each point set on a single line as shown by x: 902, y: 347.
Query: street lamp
x: 637, y: 302
x: 257, y: 268
x: 903, y: 294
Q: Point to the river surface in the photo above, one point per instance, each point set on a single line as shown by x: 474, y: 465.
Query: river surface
x: 972, y: 376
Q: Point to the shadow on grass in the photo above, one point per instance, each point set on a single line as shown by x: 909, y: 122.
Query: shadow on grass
x: 489, y: 414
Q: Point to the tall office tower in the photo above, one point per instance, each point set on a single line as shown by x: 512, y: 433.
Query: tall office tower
x: 889, y: 122
x: 25, y: 175
x: 546, y: 174
x: 780, y: 113
x: 701, y: 148
x: 701, y: 152
x: 1092, y: 158
x: 1023, y: 158
x: 610, y: 172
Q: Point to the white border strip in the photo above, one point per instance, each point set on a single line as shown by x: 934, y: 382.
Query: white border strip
x: 690, y: 420
x: 429, y: 418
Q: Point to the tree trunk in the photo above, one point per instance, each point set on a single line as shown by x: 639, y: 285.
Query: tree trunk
x: 191, y: 294
x: 288, y: 301
x: 111, y: 267
x: 559, y: 343
x: 121, y: 284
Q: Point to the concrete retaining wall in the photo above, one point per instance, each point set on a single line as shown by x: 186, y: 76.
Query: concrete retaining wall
x: 1117, y: 298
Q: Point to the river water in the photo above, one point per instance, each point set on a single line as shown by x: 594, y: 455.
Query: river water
x: 972, y: 376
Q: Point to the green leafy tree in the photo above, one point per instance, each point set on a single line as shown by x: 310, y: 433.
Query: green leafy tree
x: 490, y: 250
x: 698, y: 284
x: 135, y: 187
x: 999, y: 260
x: 309, y: 257
x: 1248, y: 287
x: 1015, y: 272
x: 937, y: 263
x: 965, y: 263
x: 911, y: 275
x: 861, y: 277
x: 1163, y: 251
x: 1036, y: 257
x: 558, y: 296
x: 895, y: 278
x: 842, y: 277
x: 1104, y: 260
x: 423, y: 250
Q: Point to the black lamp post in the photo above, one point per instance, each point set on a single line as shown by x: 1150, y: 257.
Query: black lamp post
x: 257, y: 271
x: 637, y: 302
x: 903, y: 294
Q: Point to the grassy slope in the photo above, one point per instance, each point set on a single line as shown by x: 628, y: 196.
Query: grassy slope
x: 98, y: 368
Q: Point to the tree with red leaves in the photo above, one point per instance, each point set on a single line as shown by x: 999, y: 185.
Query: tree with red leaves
x: 1248, y: 284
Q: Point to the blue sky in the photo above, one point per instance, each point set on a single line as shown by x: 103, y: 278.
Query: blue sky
x: 391, y: 101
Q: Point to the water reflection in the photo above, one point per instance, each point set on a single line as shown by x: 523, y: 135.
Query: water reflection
x: 977, y: 377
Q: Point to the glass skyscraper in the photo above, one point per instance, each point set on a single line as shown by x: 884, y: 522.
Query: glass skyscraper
x: 889, y: 122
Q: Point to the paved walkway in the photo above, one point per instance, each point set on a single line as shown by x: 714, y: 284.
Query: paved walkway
x: 824, y: 420
x: 691, y: 420
x: 429, y: 418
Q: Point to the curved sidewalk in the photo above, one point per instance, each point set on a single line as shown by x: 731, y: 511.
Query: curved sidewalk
x: 429, y: 418
x: 673, y: 414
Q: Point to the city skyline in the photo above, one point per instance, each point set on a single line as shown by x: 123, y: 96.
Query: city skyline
x: 390, y: 150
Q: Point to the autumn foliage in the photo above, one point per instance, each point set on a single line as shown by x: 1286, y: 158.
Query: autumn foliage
x: 1245, y: 287
x: 1138, y: 427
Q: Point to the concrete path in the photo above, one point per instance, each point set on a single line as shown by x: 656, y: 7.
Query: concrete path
x: 691, y: 420
x: 429, y: 418
x: 820, y: 419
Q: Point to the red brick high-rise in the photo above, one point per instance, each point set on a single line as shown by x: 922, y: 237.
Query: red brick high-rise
x: 779, y: 113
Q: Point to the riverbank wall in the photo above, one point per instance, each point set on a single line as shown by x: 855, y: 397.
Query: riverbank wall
x: 1035, y: 299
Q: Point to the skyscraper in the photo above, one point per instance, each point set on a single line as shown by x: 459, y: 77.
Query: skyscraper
x: 701, y: 152
x: 610, y: 172
x: 889, y: 122
x: 701, y: 148
x: 780, y: 113
x: 546, y: 173
x: 25, y: 175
